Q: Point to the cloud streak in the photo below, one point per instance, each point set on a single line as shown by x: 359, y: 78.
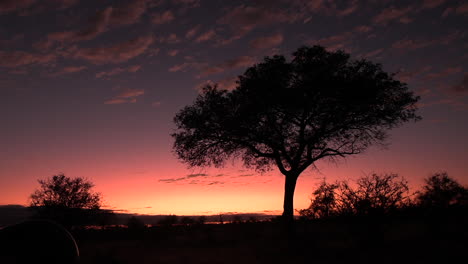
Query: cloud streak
x: 267, y: 42
x: 242, y: 61
x: 118, y: 70
x: 7, y: 6
x: 12, y: 59
x: 115, y: 53
x: 126, y: 96
x: 462, y: 86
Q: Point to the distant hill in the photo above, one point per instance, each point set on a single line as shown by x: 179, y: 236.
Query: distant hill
x: 13, y: 213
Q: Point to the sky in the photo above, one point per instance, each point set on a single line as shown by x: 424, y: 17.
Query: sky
x: 90, y: 89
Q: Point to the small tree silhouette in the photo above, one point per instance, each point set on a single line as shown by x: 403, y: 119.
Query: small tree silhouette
x: 135, y: 224
x: 69, y: 201
x: 441, y: 191
x: 291, y: 114
x: 323, y: 203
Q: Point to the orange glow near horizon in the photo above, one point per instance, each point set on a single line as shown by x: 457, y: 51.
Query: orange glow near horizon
x: 157, y: 189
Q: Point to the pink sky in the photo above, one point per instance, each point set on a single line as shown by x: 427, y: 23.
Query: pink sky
x: 90, y: 90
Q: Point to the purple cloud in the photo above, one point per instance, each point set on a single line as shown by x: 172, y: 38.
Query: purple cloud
x: 129, y: 13
x: 206, y: 36
x: 7, y: 6
x: 243, y: 19
x: 192, y: 32
x: 242, y: 61
x: 461, y: 87
x: 267, y: 42
x: 70, y: 69
x: 116, y: 53
x: 162, y: 18
x: 118, y: 70
x: 125, y: 96
x: 393, y: 14
x: 13, y: 59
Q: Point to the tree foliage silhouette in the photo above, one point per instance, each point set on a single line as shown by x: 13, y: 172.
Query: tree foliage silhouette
x: 66, y: 192
x: 69, y: 201
x: 324, y: 202
x: 321, y: 105
x: 373, y: 194
x: 441, y: 191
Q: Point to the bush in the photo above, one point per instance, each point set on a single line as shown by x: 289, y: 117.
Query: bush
x: 441, y: 191
x: 374, y: 194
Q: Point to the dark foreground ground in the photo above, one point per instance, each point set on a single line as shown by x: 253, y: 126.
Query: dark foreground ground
x: 397, y: 239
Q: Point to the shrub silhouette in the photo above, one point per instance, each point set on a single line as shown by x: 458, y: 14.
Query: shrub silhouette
x: 441, y: 191
x: 69, y: 201
x: 135, y: 224
x: 374, y: 194
x: 169, y: 220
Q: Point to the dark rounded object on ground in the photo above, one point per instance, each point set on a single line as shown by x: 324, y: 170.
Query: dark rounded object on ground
x: 37, y: 241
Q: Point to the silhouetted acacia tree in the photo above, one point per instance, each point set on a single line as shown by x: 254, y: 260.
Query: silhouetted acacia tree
x: 291, y: 114
x: 441, y: 191
x: 69, y: 201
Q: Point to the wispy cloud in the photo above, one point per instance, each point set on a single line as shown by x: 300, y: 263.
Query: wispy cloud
x: 432, y: 3
x: 169, y: 39
x: 129, y: 12
x: 70, y: 69
x: 408, y: 75
x: 173, y: 52
x: 21, y: 58
x: 391, y: 14
x: 267, y: 42
x: 126, y: 14
x: 97, y: 25
x: 162, y: 18
x: 118, y: 70
x: 462, y: 86
x: 125, y: 96
x: 192, y: 32
x: 187, y: 177
x: 242, y: 61
x: 243, y: 19
x: 444, y: 73
x: 188, y: 65
x: 228, y: 83
x: 206, y: 36
x: 115, y: 53
x: 7, y: 6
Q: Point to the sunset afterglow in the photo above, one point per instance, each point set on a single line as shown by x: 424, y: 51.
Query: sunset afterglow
x: 91, y: 89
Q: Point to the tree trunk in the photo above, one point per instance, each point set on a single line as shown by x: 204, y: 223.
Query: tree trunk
x: 288, y: 205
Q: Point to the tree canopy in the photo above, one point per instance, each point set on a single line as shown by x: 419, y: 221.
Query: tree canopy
x: 288, y: 115
x: 69, y: 201
x: 441, y: 191
x: 62, y: 191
